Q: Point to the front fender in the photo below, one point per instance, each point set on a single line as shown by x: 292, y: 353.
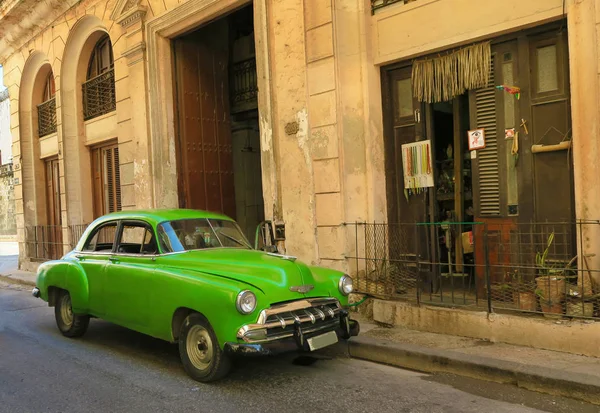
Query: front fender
x: 66, y: 275
x: 210, y: 295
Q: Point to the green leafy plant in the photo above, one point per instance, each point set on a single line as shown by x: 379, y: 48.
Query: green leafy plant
x: 541, y: 260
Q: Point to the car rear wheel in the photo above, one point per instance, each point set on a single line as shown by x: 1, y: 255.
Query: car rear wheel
x: 200, y: 352
x: 69, y: 324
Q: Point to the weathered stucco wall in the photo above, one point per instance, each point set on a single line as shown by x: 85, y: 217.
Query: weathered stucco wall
x: 8, y: 225
x: 431, y: 25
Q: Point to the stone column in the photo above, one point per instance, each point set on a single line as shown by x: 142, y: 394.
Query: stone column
x: 583, y: 62
x: 135, y: 151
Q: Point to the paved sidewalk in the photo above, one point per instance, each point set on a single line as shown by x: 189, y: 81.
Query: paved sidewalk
x: 9, y: 265
x: 19, y: 277
x: 545, y: 371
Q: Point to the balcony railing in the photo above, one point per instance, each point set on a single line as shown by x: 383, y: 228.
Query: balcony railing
x: 99, y: 95
x: 243, y: 88
x: 47, y: 117
x: 378, y: 4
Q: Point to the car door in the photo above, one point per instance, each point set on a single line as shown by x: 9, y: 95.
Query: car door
x: 130, y: 285
x: 93, y: 258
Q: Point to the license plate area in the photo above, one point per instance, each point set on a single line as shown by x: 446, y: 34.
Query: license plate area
x: 323, y: 340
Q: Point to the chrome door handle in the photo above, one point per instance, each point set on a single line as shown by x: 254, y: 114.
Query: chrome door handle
x: 79, y: 257
x: 113, y: 259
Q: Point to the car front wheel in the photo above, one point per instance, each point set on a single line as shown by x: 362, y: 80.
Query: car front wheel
x: 69, y: 324
x: 200, y: 352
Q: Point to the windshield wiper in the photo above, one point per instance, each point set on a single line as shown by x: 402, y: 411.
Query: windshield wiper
x: 233, y: 239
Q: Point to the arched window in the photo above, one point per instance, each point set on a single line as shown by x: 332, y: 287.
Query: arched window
x: 101, y: 60
x: 99, y: 88
x: 47, y: 109
x: 49, y: 88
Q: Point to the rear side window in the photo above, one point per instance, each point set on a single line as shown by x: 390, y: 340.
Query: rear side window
x: 102, y: 239
x: 137, y: 239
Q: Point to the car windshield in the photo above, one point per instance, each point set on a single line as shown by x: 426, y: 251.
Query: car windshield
x: 200, y: 233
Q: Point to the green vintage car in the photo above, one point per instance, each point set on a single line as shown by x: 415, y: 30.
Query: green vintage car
x: 192, y: 277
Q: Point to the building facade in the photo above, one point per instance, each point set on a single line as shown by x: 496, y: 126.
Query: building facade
x: 296, y: 111
x: 8, y: 227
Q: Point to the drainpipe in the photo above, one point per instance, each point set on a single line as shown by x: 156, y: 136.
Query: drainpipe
x: 583, y: 63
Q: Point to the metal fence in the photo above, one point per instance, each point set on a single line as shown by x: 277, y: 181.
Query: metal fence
x: 46, y: 242
x: 99, y: 95
x: 47, y: 117
x: 527, y: 268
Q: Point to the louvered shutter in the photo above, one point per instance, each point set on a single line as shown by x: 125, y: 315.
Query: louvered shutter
x: 489, y: 178
x: 117, y: 180
x: 113, y: 180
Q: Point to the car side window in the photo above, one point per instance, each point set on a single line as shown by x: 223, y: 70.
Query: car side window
x: 137, y: 239
x: 102, y: 239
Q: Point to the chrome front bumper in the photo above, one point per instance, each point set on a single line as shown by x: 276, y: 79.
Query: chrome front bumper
x: 297, y: 320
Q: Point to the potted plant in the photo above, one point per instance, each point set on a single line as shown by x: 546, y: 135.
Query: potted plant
x: 549, y: 307
x: 551, y: 282
x: 523, y: 298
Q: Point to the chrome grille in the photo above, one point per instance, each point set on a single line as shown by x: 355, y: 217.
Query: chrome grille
x: 322, y: 314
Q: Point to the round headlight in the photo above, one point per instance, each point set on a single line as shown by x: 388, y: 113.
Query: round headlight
x: 245, y: 302
x: 345, y: 285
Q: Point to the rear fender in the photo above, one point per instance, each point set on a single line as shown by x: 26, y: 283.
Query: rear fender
x: 68, y: 276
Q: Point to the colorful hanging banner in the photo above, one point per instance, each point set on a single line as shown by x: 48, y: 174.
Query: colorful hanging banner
x: 513, y: 90
x: 417, y: 165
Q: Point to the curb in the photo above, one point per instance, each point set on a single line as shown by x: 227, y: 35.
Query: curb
x: 544, y: 380
x: 9, y: 279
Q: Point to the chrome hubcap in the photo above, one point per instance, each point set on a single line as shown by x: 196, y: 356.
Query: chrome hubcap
x: 199, y: 347
x: 66, y: 312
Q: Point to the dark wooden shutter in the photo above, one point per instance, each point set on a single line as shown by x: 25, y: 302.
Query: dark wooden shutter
x: 106, y: 180
x: 488, y: 171
x: 113, y: 178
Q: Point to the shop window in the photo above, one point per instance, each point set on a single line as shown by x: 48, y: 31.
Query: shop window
x: 404, y: 98
x: 547, y: 69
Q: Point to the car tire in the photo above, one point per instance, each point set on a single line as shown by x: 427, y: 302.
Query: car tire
x: 69, y: 324
x: 201, y: 355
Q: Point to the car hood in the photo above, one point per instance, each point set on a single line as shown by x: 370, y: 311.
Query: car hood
x: 269, y: 273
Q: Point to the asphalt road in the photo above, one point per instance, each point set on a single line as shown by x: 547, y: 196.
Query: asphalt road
x: 112, y: 369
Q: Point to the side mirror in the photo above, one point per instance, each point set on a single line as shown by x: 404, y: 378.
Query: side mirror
x: 264, y: 239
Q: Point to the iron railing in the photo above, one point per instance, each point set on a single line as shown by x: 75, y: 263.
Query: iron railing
x: 76, y: 232
x: 99, y: 95
x: 378, y: 4
x: 526, y: 268
x: 47, y: 117
x: 243, y: 86
x: 45, y: 242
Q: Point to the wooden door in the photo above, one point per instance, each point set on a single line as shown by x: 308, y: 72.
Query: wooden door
x: 204, y: 144
x: 106, y: 179
x: 53, y: 210
x: 495, y: 168
x: 513, y: 191
x: 408, y: 242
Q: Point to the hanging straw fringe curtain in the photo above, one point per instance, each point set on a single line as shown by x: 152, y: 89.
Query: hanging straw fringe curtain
x: 442, y: 78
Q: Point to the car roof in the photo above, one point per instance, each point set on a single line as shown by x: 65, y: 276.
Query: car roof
x: 156, y: 216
